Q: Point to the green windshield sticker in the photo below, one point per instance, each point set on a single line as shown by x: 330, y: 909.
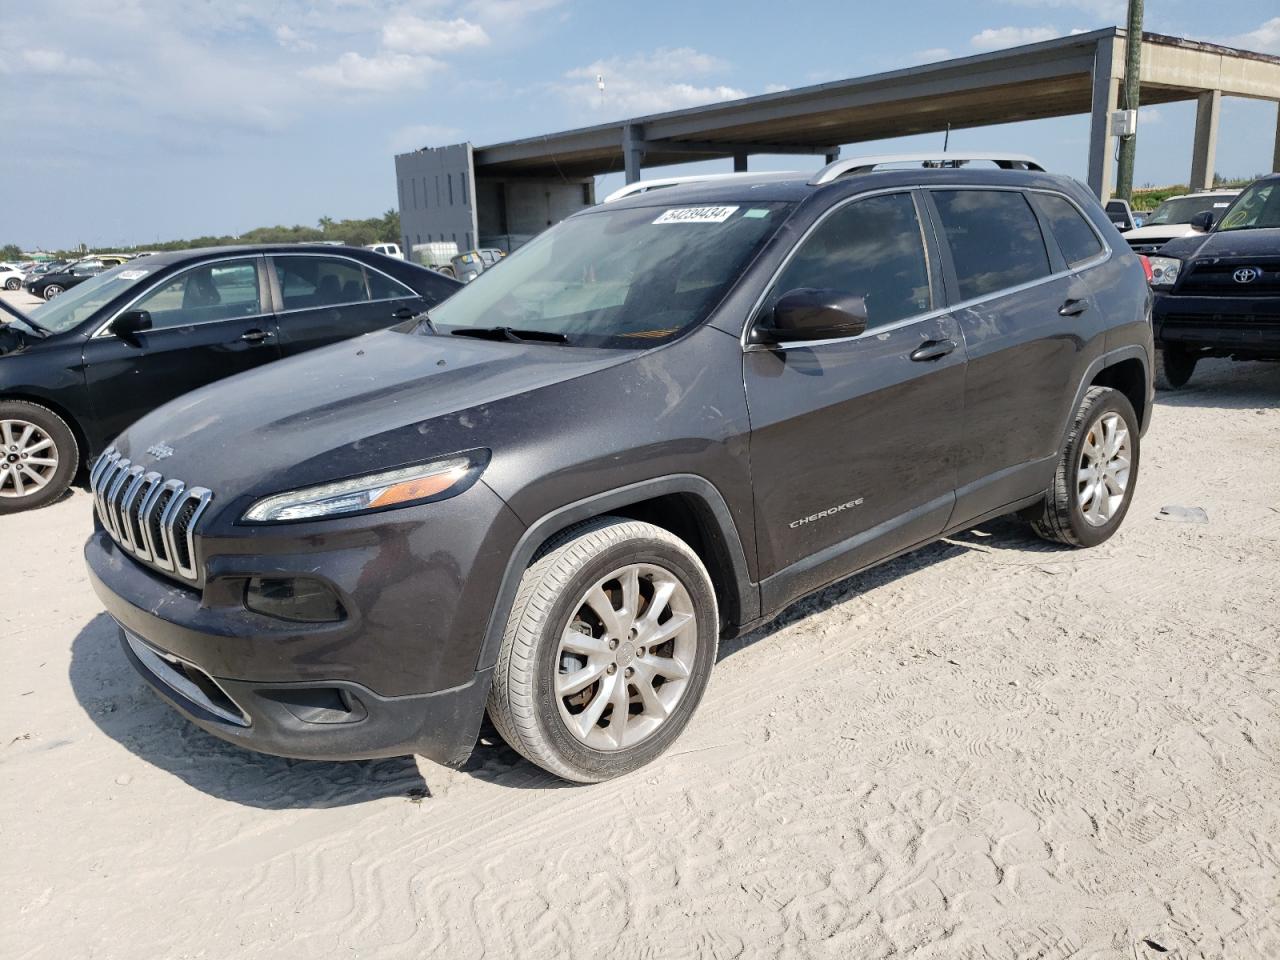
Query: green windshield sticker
x: 755, y: 214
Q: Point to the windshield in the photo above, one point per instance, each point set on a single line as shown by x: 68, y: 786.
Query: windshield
x: 79, y: 303
x: 1182, y: 209
x: 1255, y: 209
x: 630, y: 277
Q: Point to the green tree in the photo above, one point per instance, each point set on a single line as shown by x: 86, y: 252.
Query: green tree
x: 10, y: 251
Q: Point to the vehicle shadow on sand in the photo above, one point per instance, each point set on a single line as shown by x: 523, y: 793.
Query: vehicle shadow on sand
x: 1227, y: 385
x: 125, y: 708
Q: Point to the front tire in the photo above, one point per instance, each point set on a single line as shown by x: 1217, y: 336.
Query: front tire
x: 607, y: 651
x: 38, y: 456
x: 51, y: 291
x: 1097, y: 473
x: 1174, y: 367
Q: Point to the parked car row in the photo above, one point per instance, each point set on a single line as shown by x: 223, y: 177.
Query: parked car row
x: 655, y: 426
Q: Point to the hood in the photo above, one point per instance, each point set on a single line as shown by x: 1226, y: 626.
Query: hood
x: 1163, y: 231
x: 1226, y: 243
x: 373, y: 403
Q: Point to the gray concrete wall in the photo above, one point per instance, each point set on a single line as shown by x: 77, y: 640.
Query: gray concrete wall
x: 437, y: 191
x: 510, y: 212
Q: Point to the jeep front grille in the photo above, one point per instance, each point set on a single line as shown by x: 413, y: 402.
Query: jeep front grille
x: 152, y: 518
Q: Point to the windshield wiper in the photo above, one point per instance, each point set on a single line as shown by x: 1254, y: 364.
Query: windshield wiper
x: 508, y: 333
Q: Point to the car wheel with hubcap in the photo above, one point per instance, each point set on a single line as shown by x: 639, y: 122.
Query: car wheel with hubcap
x: 607, y: 651
x: 13, y: 283
x: 1096, y: 474
x: 51, y: 291
x: 38, y: 456
x: 1174, y: 367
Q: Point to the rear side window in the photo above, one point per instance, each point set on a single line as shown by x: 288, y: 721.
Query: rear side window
x: 382, y: 287
x: 994, y: 238
x: 871, y: 248
x: 1075, y: 237
x: 310, y: 282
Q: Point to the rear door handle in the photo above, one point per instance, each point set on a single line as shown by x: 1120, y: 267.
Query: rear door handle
x: 255, y: 336
x: 933, y: 349
x: 1073, y: 308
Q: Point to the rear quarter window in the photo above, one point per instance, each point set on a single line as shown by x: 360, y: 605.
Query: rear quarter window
x: 1076, y: 239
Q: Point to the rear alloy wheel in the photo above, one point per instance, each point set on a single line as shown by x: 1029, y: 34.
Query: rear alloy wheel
x: 38, y: 456
x: 1174, y: 367
x: 607, y: 651
x: 51, y: 291
x: 13, y: 283
x: 1096, y: 476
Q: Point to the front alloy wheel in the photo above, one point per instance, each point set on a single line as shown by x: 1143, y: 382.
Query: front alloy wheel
x: 51, y: 291
x: 607, y: 650
x: 38, y: 456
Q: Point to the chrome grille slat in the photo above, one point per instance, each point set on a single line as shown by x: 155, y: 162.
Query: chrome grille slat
x: 152, y: 518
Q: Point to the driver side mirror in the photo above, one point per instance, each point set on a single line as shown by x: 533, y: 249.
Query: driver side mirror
x: 1203, y: 221
x: 807, y: 313
x: 129, y: 324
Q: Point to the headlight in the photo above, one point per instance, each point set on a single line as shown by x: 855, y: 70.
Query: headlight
x: 376, y: 491
x: 1164, y: 271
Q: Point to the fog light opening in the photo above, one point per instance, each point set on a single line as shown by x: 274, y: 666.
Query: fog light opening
x: 297, y: 599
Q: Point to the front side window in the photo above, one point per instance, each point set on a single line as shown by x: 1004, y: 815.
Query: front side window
x: 1076, y: 239
x: 870, y: 248
x: 222, y: 290
x: 620, y: 277
x: 310, y: 282
x: 1256, y: 209
x: 994, y: 239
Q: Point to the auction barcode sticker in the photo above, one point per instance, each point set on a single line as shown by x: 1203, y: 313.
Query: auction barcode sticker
x: 697, y: 215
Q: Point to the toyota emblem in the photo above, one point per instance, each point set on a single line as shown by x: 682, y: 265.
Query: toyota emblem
x: 1246, y: 275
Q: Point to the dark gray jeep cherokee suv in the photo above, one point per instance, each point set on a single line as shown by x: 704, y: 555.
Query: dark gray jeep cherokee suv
x: 659, y: 424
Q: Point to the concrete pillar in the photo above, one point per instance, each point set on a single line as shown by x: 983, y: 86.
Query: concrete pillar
x: 1205, y: 149
x: 739, y: 163
x: 1106, y: 95
x: 632, y: 150
x: 1275, y: 159
x: 833, y: 157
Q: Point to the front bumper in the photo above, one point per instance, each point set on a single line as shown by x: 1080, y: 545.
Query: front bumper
x: 1241, y: 326
x: 399, y: 674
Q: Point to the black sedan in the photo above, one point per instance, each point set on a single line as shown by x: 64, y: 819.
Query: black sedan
x: 53, y: 282
x: 83, y: 367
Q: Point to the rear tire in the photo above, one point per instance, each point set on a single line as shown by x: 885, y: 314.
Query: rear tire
x: 30, y: 437
x: 564, y: 671
x: 13, y: 283
x: 1097, y: 473
x: 1174, y: 367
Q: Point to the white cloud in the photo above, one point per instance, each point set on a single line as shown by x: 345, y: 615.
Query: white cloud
x: 290, y: 39
x: 54, y: 63
x: 420, y: 135
x: 775, y: 87
x: 996, y: 38
x: 381, y: 73
x: 1266, y: 39
x: 409, y: 34
x: 648, y: 83
x: 931, y: 55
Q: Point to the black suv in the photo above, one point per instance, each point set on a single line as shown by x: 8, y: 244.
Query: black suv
x: 660, y: 423
x: 1218, y: 294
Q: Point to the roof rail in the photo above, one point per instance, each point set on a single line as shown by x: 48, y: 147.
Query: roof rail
x: 644, y: 186
x: 949, y: 160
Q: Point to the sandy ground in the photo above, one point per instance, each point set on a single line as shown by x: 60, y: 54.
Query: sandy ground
x: 992, y: 748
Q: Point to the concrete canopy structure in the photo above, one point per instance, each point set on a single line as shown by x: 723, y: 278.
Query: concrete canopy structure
x: 1073, y: 75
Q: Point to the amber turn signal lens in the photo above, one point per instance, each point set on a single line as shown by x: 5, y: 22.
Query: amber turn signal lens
x: 417, y: 489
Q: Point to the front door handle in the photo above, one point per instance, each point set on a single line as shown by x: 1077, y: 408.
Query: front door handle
x: 933, y: 349
x: 255, y: 336
x: 403, y: 313
x: 1073, y: 308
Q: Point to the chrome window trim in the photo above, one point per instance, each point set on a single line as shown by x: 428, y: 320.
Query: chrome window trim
x: 348, y: 303
x: 752, y: 314
x: 104, y: 330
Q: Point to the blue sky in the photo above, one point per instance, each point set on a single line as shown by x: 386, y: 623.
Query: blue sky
x: 131, y: 121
